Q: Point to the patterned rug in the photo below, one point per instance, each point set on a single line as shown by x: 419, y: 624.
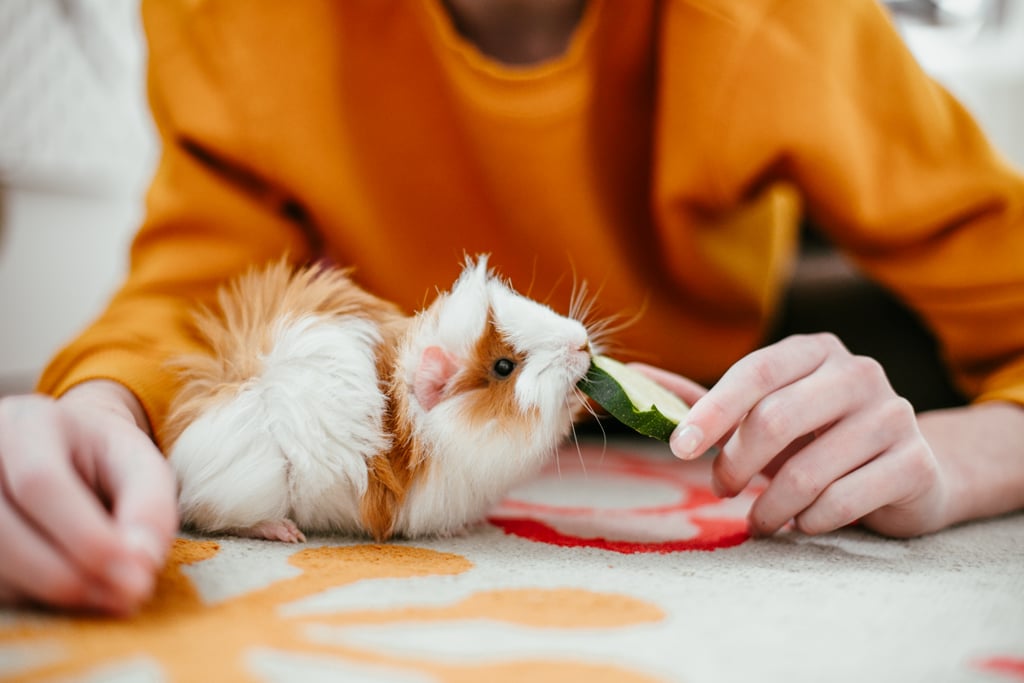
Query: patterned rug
x: 618, y: 564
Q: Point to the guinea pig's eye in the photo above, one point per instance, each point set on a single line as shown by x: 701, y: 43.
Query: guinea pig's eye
x: 503, y: 367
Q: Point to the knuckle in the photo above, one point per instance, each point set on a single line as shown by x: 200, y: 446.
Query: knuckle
x: 16, y: 409
x: 714, y: 407
x: 843, y: 513
x: 897, y: 413
x: 802, y: 483
x: 867, y: 368
x: 827, y: 341
x: 838, y: 511
x: 920, y: 469
x: 773, y: 422
x: 762, y: 369
x: 828, y: 514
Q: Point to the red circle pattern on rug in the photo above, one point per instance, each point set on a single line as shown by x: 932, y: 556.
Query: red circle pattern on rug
x: 661, y: 504
x: 1010, y: 667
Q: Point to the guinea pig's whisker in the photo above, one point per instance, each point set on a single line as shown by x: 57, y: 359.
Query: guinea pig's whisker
x: 558, y: 462
x: 597, y: 420
x: 575, y: 436
x: 602, y: 329
x: 580, y: 305
x: 583, y: 308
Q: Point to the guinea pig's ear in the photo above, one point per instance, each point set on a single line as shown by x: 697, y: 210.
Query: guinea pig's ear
x: 432, y: 375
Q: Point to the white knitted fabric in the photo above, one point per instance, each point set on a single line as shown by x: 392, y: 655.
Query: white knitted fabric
x: 73, y: 115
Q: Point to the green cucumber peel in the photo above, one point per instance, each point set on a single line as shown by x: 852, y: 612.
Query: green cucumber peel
x: 633, y: 398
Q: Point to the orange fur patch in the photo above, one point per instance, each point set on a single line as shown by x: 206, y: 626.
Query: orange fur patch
x: 239, y: 334
x: 391, y: 474
x: 491, y: 397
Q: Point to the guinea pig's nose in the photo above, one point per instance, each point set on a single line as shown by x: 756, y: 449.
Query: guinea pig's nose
x: 577, y: 348
x: 579, y: 356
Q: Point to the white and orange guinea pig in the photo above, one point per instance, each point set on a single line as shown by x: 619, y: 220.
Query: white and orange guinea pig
x: 322, y: 408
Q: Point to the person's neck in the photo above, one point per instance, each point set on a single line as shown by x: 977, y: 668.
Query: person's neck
x: 517, y: 32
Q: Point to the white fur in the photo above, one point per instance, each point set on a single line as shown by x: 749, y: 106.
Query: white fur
x: 472, y: 470
x: 554, y: 347
x: 470, y: 473
x: 295, y: 440
x: 459, y: 316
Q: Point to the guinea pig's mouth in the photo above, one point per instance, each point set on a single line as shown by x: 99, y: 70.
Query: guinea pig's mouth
x: 576, y: 373
x: 569, y: 372
x: 582, y: 358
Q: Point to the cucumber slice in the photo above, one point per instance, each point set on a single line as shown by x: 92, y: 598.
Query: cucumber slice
x: 632, y: 398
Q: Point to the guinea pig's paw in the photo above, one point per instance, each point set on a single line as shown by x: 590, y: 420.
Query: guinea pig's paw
x: 274, y: 530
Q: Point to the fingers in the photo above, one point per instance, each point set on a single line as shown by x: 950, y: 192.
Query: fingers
x: 823, y: 464
x: 47, y: 491
x: 35, y: 570
x: 34, y: 566
x: 138, y: 480
x: 129, y: 470
x: 891, y: 486
x: 827, y: 427
x: 744, y: 385
x: 60, y: 467
x: 823, y: 399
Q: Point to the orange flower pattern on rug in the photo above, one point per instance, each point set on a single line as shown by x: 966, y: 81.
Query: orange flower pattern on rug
x: 192, y: 640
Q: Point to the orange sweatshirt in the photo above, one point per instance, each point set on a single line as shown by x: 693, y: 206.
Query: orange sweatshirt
x: 666, y: 159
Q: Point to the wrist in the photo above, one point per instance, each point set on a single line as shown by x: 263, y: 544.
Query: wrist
x: 113, y: 396
x: 978, y: 452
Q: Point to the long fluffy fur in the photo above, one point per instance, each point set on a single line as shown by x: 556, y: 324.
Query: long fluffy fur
x: 507, y: 430
x: 304, y: 408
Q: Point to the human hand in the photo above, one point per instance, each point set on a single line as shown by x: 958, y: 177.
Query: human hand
x: 837, y: 442
x: 87, y: 502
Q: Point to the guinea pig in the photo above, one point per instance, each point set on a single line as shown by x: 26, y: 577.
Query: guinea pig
x: 322, y: 408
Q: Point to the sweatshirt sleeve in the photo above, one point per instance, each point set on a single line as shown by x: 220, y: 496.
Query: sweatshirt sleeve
x: 209, y: 216
x: 893, y: 169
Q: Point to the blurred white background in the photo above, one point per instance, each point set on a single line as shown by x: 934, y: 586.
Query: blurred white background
x: 76, y: 152
x: 77, y: 148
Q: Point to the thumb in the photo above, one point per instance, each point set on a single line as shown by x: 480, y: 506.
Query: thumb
x: 142, y: 491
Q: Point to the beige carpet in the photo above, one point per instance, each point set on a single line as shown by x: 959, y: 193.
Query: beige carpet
x: 617, y: 565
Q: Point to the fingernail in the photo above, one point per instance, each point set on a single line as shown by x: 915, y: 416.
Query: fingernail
x: 141, y: 541
x: 129, y: 578
x: 684, y: 442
